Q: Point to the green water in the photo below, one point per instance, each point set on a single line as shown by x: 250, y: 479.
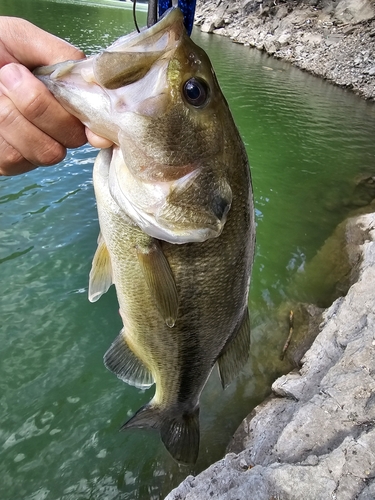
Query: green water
x: 60, y: 409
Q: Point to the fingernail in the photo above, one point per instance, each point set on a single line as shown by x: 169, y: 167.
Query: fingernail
x: 10, y: 76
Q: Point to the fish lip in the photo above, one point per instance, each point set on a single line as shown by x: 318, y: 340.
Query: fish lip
x: 171, y: 21
x: 170, y: 17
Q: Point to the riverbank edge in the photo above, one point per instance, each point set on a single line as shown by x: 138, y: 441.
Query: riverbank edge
x: 314, y: 437
x: 331, y: 40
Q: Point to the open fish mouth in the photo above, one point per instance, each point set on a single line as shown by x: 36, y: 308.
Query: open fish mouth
x: 134, y: 53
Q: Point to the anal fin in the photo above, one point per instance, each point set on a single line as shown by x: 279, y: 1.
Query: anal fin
x: 236, y: 353
x: 122, y: 361
x: 160, y: 280
x: 101, y: 271
x: 179, y: 432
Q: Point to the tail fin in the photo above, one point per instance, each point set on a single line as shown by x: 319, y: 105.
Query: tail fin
x: 179, y: 432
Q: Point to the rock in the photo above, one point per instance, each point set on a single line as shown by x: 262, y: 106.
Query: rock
x: 306, y: 321
x: 217, y: 20
x: 281, y: 12
x: 333, y: 34
x: 249, y: 6
x: 220, y: 31
x: 312, y: 38
x: 333, y: 39
x: 348, y: 30
x: 354, y: 11
x: 315, y: 440
x: 369, y: 492
x: 270, y: 44
x: 283, y: 39
x: 208, y: 27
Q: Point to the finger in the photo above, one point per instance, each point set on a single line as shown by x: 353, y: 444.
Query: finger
x: 12, y: 162
x: 32, y: 144
x: 34, y: 47
x: 34, y: 101
x: 97, y: 141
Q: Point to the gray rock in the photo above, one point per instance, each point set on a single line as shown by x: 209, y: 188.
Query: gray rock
x: 283, y: 39
x: 316, y: 439
x: 208, y: 27
x: 220, y: 31
x: 354, y: 11
x: 333, y: 34
x: 270, y: 44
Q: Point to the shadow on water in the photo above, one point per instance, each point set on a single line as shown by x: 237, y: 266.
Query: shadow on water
x: 310, y: 146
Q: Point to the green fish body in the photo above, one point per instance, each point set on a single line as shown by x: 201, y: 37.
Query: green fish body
x: 177, y: 231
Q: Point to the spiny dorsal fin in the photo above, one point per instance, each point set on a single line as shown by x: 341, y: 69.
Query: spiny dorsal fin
x: 160, y: 280
x: 236, y: 353
x: 122, y: 361
x: 101, y: 271
x: 179, y: 433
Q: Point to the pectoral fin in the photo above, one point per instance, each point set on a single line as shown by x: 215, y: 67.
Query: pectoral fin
x: 160, y: 280
x: 101, y: 271
x: 122, y: 361
x: 236, y: 353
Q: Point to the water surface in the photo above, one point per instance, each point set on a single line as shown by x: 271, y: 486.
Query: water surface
x: 60, y: 409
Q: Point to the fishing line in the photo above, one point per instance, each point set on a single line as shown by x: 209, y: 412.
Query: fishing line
x: 135, y: 16
x: 152, y: 13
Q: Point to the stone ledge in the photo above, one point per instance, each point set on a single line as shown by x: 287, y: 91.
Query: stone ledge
x: 315, y: 437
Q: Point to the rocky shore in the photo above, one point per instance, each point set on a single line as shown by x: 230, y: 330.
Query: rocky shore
x: 314, y: 437
x: 331, y: 39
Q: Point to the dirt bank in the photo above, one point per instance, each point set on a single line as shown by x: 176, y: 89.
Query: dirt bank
x: 331, y: 39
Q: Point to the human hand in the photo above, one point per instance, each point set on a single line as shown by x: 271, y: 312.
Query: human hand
x: 34, y: 128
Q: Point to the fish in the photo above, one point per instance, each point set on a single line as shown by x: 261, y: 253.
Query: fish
x: 176, y: 215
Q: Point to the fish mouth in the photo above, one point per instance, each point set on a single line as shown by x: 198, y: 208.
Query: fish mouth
x: 103, y: 88
x: 134, y: 53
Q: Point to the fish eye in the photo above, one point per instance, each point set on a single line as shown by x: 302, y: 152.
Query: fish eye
x: 196, y: 92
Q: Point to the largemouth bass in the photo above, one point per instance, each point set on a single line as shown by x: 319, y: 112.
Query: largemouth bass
x: 176, y: 218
